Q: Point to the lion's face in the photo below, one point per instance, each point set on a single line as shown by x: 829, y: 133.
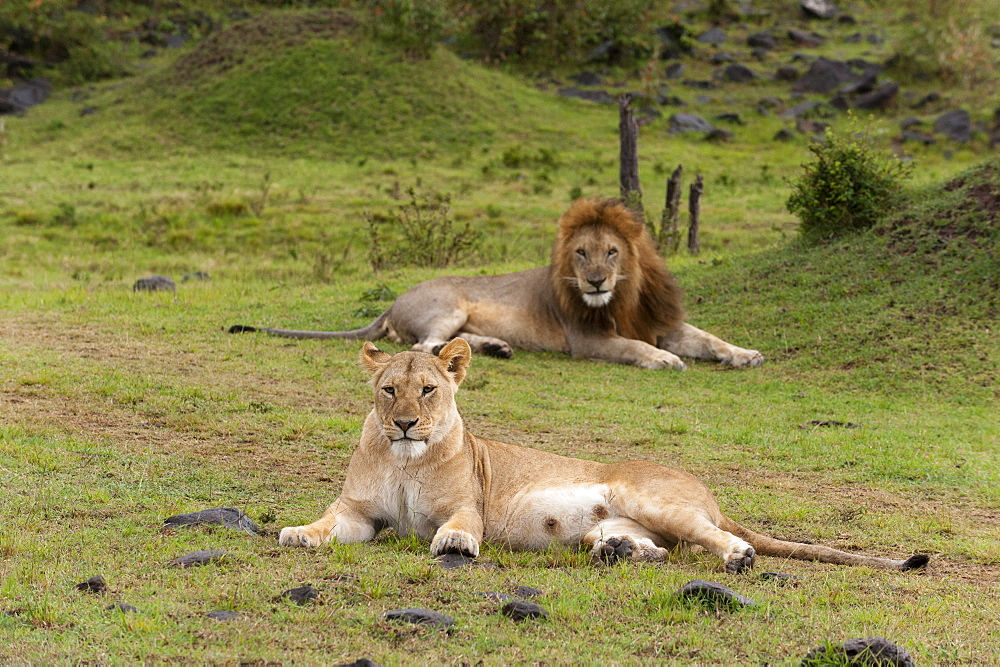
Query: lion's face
x: 415, y: 394
x: 598, y: 258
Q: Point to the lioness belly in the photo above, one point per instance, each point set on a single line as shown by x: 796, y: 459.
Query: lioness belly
x: 534, y: 519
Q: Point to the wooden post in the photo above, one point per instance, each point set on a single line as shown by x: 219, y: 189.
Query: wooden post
x: 694, y: 208
x: 670, y: 237
x: 628, y: 133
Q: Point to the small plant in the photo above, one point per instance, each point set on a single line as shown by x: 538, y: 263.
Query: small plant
x: 258, y: 204
x: 415, y: 25
x: 849, y: 187
x: 420, y: 232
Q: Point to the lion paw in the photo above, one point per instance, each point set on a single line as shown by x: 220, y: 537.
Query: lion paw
x: 741, y: 358
x: 663, y: 359
x: 740, y: 561
x: 455, y: 542
x: 613, y: 549
x: 498, y: 350
x: 299, y: 536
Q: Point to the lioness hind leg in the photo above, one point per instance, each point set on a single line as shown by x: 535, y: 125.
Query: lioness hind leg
x: 688, y: 525
x: 623, y: 539
x: 689, y: 341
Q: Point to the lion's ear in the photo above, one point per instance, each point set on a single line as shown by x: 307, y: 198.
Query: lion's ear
x: 373, y: 358
x: 456, y: 355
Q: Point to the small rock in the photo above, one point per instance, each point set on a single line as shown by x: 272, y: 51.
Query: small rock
x: 719, y: 135
x: 196, y: 275
x: 301, y: 595
x: 806, y: 126
x: 804, y: 38
x: 24, y: 95
x: 122, y: 607
x: 880, y: 98
x: 955, y: 124
x: 699, y: 84
x: 421, y: 616
x: 762, y: 40
x: 802, y: 110
x: 738, y: 73
x: 674, y: 70
x: 910, y: 122
x: 824, y: 76
x: 711, y: 591
x: 154, y: 284
x: 88, y: 110
x: 93, y: 585
x: 198, y: 558
x: 361, y: 662
x: 714, y: 36
x: 224, y: 615
x: 819, y: 9
x: 874, y: 651
x: 227, y: 516
x: 733, y: 118
x: 521, y: 610
x: 680, y: 123
x: 784, y: 134
x: 721, y: 57
x: 596, y: 96
x: 454, y: 561
x: 527, y: 592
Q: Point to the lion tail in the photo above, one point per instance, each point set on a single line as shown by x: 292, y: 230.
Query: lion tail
x: 769, y: 546
x: 373, y: 331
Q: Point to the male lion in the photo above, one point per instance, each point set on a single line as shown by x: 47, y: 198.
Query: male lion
x: 606, y: 295
x: 417, y: 470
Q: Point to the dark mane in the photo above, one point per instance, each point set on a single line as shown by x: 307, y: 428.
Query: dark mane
x: 646, y: 303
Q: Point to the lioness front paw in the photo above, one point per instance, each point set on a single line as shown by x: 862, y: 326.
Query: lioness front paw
x: 741, y: 560
x: 455, y: 542
x: 741, y: 358
x: 300, y: 536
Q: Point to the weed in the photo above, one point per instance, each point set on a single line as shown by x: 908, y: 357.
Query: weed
x: 420, y: 232
x: 847, y: 188
x: 260, y: 201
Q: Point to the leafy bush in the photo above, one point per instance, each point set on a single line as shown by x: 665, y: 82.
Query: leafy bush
x: 561, y: 30
x: 847, y: 188
x: 416, y: 26
x: 420, y: 232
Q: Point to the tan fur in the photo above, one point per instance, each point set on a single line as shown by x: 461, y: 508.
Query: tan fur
x: 606, y: 295
x: 418, y: 471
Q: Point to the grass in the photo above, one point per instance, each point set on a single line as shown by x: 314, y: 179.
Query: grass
x: 124, y: 408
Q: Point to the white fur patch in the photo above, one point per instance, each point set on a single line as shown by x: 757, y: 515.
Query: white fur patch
x: 598, y: 300
x: 408, y: 450
x: 536, y: 518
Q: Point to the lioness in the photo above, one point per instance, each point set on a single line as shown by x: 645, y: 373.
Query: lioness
x: 418, y: 471
x: 607, y: 295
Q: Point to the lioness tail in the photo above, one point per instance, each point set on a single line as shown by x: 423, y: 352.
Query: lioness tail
x: 769, y: 546
x: 373, y: 331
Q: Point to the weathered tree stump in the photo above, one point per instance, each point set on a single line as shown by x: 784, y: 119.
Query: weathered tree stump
x: 694, y: 208
x: 669, y: 237
x: 628, y: 133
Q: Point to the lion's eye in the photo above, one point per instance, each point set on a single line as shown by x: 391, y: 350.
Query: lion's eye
x: 581, y: 252
x: 389, y: 390
x: 612, y: 252
x: 428, y: 389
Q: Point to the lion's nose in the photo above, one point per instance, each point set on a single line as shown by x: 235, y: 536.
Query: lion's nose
x: 404, y: 424
x: 596, y: 282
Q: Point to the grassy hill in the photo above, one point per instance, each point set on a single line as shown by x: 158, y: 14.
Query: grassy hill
x: 255, y: 154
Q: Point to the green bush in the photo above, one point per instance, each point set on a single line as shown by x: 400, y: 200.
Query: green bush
x: 849, y: 187
x: 552, y: 31
x: 416, y: 26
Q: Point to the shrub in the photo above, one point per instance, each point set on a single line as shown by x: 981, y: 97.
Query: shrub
x: 414, y: 25
x: 546, y: 31
x: 847, y: 188
x: 420, y: 232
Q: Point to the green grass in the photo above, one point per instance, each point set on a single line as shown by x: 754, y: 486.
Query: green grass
x: 124, y: 408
